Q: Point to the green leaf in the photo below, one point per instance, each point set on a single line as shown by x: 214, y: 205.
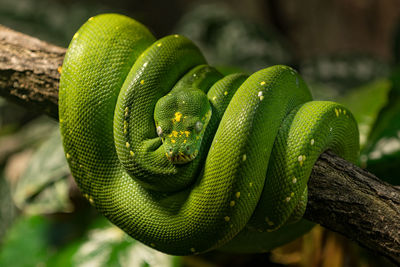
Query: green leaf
x: 43, y: 187
x: 26, y: 244
x: 365, y: 103
x: 107, y: 245
x: 381, y: 154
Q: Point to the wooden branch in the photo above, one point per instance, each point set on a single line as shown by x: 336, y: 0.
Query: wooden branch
x: 349, y: 200
x: 29, y: 72
x: 342, y: 197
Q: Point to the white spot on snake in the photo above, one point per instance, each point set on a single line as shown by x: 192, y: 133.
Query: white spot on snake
x: 194, y: 74
x: 330, y: 129
x: 145, y: 64
x: 226, y: 92
x: 142, y: 82
x: 287, y: 199
x: 176, y: 36
x: 68, y: 156
x: 75, y: 35
x: 244, y: 157
x: 232, y: 203
x: 159, y: 131
x: 260, y: 95
x: 131, y: 152
x: 61, y: 120
x: 90, y: 18
x: 227, y: 218
x: 292, y: 194
x: 237, y: 194
x: 250, y: 184
x: 344, y: 111
x: 159, y: 44
x: 262, y: 83
x: 312, y: 142
x: 301, y: 159
x: 214, y: 97
x: 126, y: 111
x: 127, y: 145
x: 337, y: 112
x: 294, y: 180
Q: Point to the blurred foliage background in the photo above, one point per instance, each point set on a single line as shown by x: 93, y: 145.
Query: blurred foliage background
x: 347, y: 50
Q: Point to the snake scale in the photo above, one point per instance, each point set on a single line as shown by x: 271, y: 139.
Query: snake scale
x: 183, y: 158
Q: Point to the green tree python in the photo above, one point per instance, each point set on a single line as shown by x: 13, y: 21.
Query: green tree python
x: 184, y: 158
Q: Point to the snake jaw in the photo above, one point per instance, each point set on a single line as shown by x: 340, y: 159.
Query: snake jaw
x: 181, y: 158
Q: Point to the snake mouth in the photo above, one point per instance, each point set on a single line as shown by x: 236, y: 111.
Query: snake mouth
x: 181, y: 158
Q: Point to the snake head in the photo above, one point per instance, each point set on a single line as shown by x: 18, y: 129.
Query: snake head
x: 181, y: 119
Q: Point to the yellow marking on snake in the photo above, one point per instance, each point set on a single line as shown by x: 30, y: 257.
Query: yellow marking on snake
x: 178, y: 117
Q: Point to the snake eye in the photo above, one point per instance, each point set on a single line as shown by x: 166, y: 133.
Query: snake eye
x: 198, y: 126
x: 159, y: 131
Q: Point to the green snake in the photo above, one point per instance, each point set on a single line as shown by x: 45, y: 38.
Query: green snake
x: 184, y: 158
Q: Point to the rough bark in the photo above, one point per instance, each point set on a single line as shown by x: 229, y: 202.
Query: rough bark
x: 342, y: 197
x: 29, y: 71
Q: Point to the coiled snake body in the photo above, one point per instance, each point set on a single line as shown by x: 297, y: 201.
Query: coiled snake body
x: 183, y: 158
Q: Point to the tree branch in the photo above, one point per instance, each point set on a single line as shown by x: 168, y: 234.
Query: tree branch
x: 342, y: 197
x: 29, y: 71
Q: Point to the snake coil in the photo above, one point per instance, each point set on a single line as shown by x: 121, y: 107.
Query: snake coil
x: 251, y: 140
